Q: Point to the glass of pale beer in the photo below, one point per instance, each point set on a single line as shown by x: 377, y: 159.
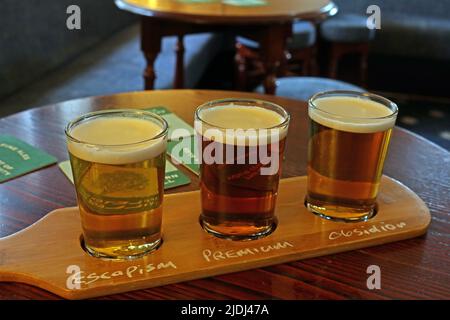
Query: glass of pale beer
x: 241, y: 143
x: 118, y: 162
x: 349, y: 136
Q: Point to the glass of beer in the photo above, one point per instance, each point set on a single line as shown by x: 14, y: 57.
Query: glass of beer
x: 241, y: 143
x: 349, y: 136
x: 118, y: 162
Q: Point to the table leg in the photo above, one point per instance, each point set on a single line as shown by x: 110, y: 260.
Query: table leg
x: 151, y: 46
x: 179, y: 70
x: 273, y: 45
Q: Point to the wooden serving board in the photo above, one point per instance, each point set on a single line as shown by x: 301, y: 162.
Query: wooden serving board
x: 48, y: 253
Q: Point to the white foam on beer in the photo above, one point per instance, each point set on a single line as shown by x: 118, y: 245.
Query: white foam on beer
x: 352, y: 114
x: 222, y: 124
x: 116, y: 140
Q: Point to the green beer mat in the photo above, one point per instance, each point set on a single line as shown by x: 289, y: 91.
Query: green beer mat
x: 18, y: 158
x: 185, y: 154
x: 240, y: 3
x: 184, y: 151
x: 174, y: 122
x: 197, y: 1
x: 245, y: 3
x: 173, y: 177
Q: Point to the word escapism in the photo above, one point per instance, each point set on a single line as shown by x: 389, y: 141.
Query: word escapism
x: 81, y: 277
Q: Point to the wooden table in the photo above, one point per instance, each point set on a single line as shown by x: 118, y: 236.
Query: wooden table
x: 416, y: 268
x: 269, y: 24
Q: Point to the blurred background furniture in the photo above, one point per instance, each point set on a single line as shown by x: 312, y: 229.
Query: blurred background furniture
x: 269, y: 24
x: 299, y: 58
x: 303, y: 88
x: 417, y: 30
x: 409, y: 28
x: 46, y: 63
x: 347, y: 34
x: 43, y: 62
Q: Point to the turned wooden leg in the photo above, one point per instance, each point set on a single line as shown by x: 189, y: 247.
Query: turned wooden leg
x: 313, y: 64
x: 273, y: 45
x: 364, y: 64
x: 179, y: 70
x: 150, y: 46
x: 149, y: 71
x: 334, y: 61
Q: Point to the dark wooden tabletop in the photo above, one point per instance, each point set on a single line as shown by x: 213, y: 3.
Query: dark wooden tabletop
x: 415, y: 268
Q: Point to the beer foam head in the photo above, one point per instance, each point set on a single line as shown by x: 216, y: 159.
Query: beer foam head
x: 116, y: 140
x: 241, y: 125
x: 352, y: 114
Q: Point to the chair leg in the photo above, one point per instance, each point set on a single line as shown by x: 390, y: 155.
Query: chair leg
x: 334, y: 61
x: 364, y: 64
x: 179, y: 69
x: 284, y: 65
x: 313, y: 64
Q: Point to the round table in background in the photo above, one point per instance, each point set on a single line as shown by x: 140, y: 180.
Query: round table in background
x: 270, y: 24
x: 415, y: 268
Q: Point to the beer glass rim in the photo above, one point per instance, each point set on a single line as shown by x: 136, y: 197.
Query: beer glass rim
x: 92, y: 115
x: 355, y: 94
x: 259, y: 102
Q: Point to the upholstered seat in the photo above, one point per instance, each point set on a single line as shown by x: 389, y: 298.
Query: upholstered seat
x: 303, y: 36
x: 302, y: 88
x: 115, y: 66
x: 348, y: 33
x: 300, y: 57
x: 347, y: 28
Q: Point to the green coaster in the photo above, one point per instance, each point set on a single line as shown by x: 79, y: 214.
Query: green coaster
x: 240, y: 3
x: 184, y: 134
x: 245, y: 3
x: 184, y: 151
x: 177, y: 126
x: 18, y: 158
x: 173, y: 177
x: 197, y: 1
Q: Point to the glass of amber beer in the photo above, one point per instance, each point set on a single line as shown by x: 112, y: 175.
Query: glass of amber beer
x: 118, y: 162
x: 241, y: 144
x: 349, y: 136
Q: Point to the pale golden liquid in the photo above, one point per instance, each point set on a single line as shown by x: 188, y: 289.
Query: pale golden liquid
x: 345, y: 162
x: 120, y: 205
x: 119, y: 182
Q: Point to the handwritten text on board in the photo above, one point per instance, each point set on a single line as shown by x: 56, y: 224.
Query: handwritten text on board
x: 368, y: 230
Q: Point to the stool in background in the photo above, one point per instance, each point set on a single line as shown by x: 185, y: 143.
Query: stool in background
x: 301, y: 53
x: 302, y: 88
x: 347, y: 33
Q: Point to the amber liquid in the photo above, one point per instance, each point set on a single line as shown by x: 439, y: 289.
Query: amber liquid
x: 344, y: 171
x: 237, y: 201
x: 120, y: 206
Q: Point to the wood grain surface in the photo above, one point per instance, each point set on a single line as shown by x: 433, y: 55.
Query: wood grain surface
x: 216, y: 12
x: 416, y: 268
x: 189, y: 253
